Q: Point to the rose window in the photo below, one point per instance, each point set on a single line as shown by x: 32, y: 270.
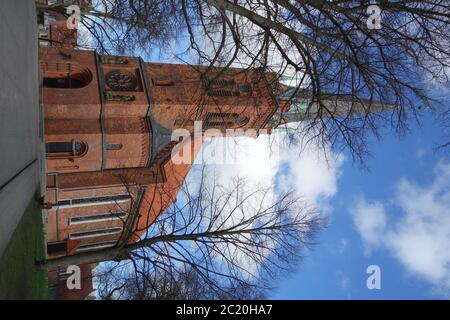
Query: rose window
x: 121, y: 81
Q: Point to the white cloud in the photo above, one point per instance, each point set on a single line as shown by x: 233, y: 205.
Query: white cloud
x: 268, y: 160
x: 312, y: 174
x: 420, y: 237
x: 370, y: 221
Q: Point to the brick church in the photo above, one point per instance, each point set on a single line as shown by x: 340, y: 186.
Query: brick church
x: 108, y: 137
x: 108, y: 128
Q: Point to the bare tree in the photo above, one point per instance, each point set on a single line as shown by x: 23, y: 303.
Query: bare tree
x: 345, y: 73
x: 444, y: 123
x: 113, y: 283
x: 123, y: 26
x: 231, y: 239
x: 325, y: 48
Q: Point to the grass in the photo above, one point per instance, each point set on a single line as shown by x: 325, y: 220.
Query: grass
x: 18, y: 277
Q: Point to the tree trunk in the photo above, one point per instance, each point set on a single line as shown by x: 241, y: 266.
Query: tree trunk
x: 85, y: 258
x: 267, y: 24
x: 120, y: 252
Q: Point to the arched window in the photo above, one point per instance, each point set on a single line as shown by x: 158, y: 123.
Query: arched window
x: 94, y: 233
x: 219, y: 87
x: 65, y: 75
x: 94, y: 200
x: 220, y: 82
x: 98, y: 217
x: 225, y: 120
x: 96, y: 245
x: 223, y: 93
x: 65, y: 149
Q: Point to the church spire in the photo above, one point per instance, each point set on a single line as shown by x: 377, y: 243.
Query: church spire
x: 304, y: 105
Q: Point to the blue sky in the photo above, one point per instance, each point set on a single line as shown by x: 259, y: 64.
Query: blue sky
x: 336, y: 267
x: 394, y: 215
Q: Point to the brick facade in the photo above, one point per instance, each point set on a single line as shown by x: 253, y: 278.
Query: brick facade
x: 108, y: 126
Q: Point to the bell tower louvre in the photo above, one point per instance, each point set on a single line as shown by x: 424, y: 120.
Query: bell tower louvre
x: 108, y: 128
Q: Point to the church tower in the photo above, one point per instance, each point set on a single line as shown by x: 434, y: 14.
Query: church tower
x: 108, y: 128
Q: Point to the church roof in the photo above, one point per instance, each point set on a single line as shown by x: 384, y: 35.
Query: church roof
x: 158, y: 197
